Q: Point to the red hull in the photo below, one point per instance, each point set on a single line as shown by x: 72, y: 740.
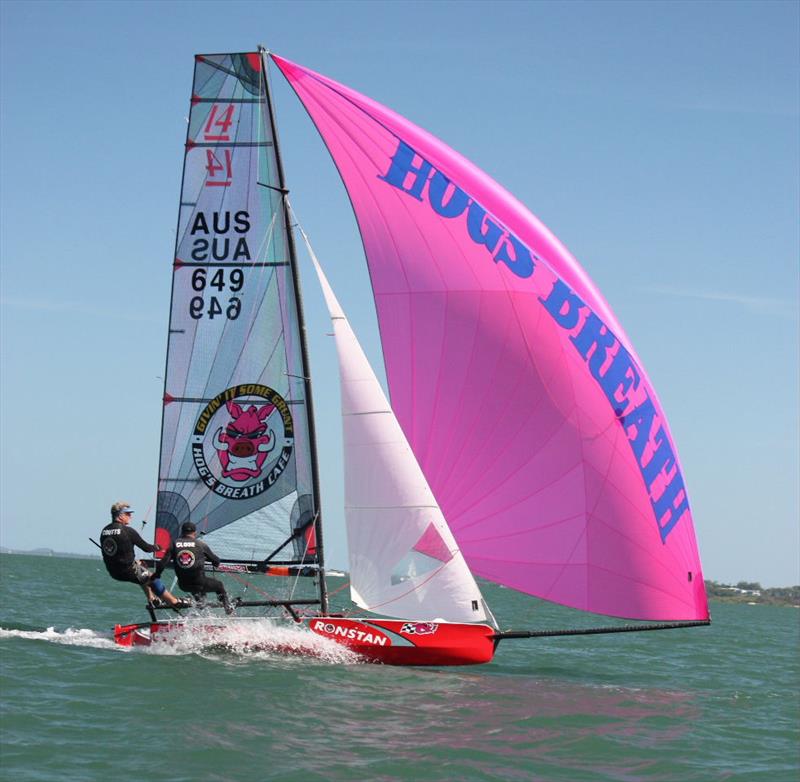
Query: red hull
x: 387, y: 641
x: 397, y: 642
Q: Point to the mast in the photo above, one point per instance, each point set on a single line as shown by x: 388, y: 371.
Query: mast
x: 323, y: 588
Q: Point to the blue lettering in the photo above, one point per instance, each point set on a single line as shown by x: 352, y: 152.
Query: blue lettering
x: 594, y: 342
x: 481, y: 229
x: 620, y: 376
x: 664, y: 506
x: 437, y: 190
x: 662, y: 459
x: 402, y: 166
x: 594, y: 334
x: 642, y: 418
x: 521, y: 262
x: 563, y: 305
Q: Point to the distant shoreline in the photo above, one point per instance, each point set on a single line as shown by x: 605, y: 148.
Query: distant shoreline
x: 748, y: 593
x: 752, y: 593
x: 47, y: 552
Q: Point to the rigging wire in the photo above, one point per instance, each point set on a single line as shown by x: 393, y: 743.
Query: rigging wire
x: 297, y: 576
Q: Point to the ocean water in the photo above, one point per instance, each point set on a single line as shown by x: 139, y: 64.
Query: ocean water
x: 717, y: 703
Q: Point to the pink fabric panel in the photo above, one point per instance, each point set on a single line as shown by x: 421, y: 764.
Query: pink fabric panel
x: 530, y: 415
x: 432, y: 545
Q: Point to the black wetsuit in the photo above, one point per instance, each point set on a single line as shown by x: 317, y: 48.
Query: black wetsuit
x: 189, y: 556
x: 117, y: 542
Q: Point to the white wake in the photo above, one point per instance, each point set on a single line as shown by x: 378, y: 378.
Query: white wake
x: 250, y: 638
x: 68, y: 637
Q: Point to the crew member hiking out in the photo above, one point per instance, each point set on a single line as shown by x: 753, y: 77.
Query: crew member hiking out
x: 189, y: 556
x: 117, y: 541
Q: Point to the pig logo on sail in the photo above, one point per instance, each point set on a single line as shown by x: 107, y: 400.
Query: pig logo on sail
x: 245, y: 442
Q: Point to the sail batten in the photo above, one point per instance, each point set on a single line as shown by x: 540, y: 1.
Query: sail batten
x: 525, y: 404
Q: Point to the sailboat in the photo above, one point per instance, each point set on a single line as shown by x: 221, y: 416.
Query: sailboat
x: 523, y: 444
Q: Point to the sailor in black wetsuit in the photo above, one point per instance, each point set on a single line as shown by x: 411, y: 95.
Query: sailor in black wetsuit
x: 189, y: 556
x: 117, y: 541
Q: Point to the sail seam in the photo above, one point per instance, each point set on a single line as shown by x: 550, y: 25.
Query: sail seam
x: 215, y: 144
x: 196, y: 99
x: 238, y: 265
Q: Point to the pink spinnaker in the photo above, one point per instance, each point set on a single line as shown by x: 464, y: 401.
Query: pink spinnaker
x: 520, y: 394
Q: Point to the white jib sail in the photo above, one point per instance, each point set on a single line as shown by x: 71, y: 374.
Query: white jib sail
x: 404, y: 561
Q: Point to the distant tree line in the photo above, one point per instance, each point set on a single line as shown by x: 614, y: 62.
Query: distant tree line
x: 753, y: 592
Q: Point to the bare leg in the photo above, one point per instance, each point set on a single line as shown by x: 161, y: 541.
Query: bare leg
x: 168, y: 597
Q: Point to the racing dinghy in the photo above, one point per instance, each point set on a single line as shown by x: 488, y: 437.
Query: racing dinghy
x: 524, y: 443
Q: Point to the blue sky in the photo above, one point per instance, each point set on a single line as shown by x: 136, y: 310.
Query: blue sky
x: 659, y: 141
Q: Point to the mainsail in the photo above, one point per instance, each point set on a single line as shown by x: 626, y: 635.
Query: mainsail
x: 236, y: 453
x: 520, y: 394
x: 404, y: 561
